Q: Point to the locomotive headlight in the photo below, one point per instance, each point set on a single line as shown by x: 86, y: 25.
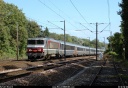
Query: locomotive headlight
x: 40, y: 49
x: 29, y: 50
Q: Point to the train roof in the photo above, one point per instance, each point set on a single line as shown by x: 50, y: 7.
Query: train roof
x: 62, y: 42
x: 72, y: 44
x: 35, y: 38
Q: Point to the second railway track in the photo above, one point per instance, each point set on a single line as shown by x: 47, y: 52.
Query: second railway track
x: 21, y: 72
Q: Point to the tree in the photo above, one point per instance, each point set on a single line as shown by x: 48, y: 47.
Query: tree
x: 46, y: 32
x: 116, y: 43
x: 61, y: 37
x: 33, y: 29
x: 86, y: 42
x: 124, y: 24
x: 94, y: 42
x: 11, y: 17
x: 74, y: 39
x: 68, y: 38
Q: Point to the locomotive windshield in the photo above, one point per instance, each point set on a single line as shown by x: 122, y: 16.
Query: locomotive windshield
x: 35, y: 42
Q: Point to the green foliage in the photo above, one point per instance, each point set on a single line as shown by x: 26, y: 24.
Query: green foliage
x: 68, y: 38
x: 46, y: 32
x: 33, y: 29
x: 12, y: 19
x: 124, y: 24
x: 112, y: 53
x: 116, y: 44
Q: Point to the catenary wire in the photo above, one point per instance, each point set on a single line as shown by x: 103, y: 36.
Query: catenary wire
x: 56, y: 13
x: 109, y: 14
x: 63, y: 13
x: 50, y: 9
x: 80, y: 13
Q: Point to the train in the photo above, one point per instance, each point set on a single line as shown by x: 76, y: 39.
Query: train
x: 46, y: 48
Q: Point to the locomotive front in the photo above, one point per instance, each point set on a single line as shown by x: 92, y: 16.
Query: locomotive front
x: 35, y: 48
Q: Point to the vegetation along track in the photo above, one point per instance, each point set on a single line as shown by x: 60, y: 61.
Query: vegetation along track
x: 10, y: 75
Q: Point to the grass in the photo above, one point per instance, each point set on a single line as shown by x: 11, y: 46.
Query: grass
x: 123, y: 62
x: 6, y: 57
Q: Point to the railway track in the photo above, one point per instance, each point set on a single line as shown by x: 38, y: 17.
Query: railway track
x: 78, y: 72
x: 99, y: 73
x: 107, y: 75
x: 22, y: 72
x: 82, y: 78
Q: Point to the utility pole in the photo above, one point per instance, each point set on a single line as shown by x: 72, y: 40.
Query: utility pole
x: 96, y: 39
x: 104, y: 44
x: 89, y: 47
x: 17, y: 41
x: 96, y: 36
x: 111, y: 42
x: 64, y: 41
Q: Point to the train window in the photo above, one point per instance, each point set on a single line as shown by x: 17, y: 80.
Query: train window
x: 72, y: 47
x: 80, y: 49
x: 40, y: 41
x: 68, y: 47
x: 62, y: 46
x: 53, y: 45
x: 31, y: 42
x: 35, y: 42
x: 93, y: 50
x: 87, y: 49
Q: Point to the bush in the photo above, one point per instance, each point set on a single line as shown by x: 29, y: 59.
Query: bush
x: 113, y: 54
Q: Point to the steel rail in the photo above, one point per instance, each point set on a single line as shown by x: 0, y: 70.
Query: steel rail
x: 94, y: 79
x: 118, y: 74
x: 14, y: 77
x: 5, y: 77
